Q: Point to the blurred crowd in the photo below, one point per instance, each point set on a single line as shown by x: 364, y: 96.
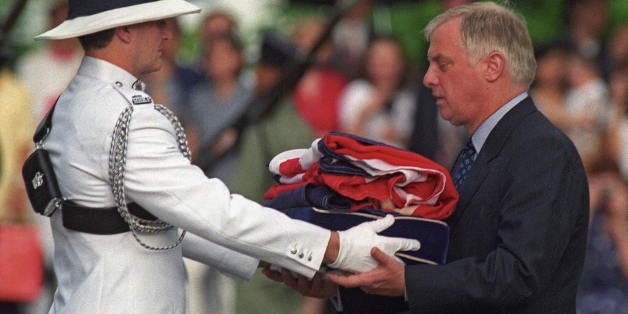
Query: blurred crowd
x: 240, y: 111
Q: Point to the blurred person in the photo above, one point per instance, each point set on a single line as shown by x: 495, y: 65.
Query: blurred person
x: 215, y: 106
x: 317, y: 94
x: 619, y: 98
x: 518, y: 234
x: 269, y: 130
x: 316, y: 97
x: 604, y: 284
x: 586, y: 116
x: 379, y: 105
x: 618, y: 138
x: 550, y: 84
x: 15, y: 144
x: 587, y: 22
x: 351, y: 37
x: 587, y: 109
x: 217, y: 23
x: 618, y: 150
x: 173, y: 83
x: 618, y: 47
x: 115, y: 257
x: 612, y: 191
x: 46, y: 71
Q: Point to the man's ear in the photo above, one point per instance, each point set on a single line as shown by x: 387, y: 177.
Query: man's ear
x: 495, y: 65
x: 124, y: 34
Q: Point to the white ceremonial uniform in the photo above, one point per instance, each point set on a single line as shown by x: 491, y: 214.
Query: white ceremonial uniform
x: 113, y: 273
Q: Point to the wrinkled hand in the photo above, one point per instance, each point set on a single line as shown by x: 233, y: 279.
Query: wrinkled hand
x: 356, y: 244
x: 317, y: 287
x: 388, y: 278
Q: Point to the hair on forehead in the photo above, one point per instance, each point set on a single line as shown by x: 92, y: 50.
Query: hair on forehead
x: 487, y: 27
x: 464, y: 11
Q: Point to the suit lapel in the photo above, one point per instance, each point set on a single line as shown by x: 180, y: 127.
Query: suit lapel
x: 490, y: 150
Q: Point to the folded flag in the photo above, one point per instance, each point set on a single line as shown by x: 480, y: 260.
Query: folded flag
x: 342, y: 180
x: 369, y: 173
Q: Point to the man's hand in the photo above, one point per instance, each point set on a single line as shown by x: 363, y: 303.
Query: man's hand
x: 356, y: 244
x: 388, y: 278
x: 317, y: 287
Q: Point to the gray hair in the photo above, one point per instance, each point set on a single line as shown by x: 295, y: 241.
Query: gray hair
x: 487, y: 27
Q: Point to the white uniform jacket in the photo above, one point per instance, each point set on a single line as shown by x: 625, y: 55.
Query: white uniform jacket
x: 113, y: 273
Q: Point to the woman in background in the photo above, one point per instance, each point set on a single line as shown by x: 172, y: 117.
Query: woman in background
x: 378, y: 105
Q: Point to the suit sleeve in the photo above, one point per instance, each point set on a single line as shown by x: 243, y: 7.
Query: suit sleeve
x: 539, y: 206
x: 229, y: 262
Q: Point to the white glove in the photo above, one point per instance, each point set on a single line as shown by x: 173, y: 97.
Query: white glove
x: 356, y: 243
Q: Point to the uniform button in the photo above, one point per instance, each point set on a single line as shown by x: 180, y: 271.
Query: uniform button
x: 293, y: 251
x: 118, y: 83
x: 309, y: 258
x: 301, y: 255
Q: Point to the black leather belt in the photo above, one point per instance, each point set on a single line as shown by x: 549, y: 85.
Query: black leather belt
x: 99, y: 220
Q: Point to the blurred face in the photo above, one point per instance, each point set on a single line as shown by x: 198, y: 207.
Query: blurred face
x: 593, y: 14
x: 384, y: 63
x: 580, y: 71
x: 456, y: 84
x: 149, y: 39
x: 223, y: 60
x: 618, y: 46
x: 306, y: 36
x: 216, y: 26
x: 551, y: 68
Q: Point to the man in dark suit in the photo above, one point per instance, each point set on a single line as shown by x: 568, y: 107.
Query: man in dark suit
x: 519, y: 231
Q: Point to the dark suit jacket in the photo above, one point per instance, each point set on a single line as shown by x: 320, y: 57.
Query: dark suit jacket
x: 519, y: 231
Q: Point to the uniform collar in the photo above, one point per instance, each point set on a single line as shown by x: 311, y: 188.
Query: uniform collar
x: 110, y: 73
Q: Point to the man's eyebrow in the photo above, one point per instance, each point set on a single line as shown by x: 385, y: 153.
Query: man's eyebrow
x: 436, y: 58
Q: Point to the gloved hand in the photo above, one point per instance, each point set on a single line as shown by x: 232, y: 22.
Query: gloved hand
x: 356, y: 243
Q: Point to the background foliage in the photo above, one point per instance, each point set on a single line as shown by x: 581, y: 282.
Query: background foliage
x: 402, y: 18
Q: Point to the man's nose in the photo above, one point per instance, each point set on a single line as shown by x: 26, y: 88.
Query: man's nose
x: 429, y: 79
x: 166, y: 35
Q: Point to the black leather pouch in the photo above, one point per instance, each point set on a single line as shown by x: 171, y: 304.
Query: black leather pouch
x: 41, y: 183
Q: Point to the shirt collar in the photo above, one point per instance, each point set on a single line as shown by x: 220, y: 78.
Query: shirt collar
x: 108, y: 72
x: 481, y: 134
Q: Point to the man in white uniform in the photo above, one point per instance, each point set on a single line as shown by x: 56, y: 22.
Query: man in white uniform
x: 110, y: 146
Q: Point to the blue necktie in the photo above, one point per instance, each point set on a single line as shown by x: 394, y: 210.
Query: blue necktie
x: 463, y: 164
